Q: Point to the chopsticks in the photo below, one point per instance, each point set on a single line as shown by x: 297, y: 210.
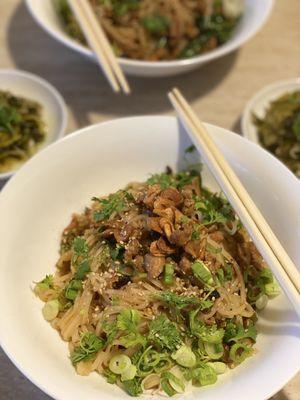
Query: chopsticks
x: 99, y: 43
x: 261, y: 233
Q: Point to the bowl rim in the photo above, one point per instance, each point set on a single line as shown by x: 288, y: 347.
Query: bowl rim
x: 127, y: 62
x: 262, y: 94
x: 81, y: 132
x: 58, y: 99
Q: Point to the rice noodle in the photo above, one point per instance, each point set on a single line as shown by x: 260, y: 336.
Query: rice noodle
x: 153, y: 255
x: 158, y: 29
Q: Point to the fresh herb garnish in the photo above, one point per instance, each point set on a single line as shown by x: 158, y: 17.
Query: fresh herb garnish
x: 235, y: 333
x: 164, y: 333
x: 9, y: 117
x: 178, y: 180
x: 127, y: 322
x: 133, y: 387
x: 181, y: 302
x: 114, y: 204
x: 80, y: 257
x: 156, y: 24
x: 89, y: 345
x: 72, y: 289
x: 110, y: 329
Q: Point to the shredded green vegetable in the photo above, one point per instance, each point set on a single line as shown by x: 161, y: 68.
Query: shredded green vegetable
x: 279, y: 129
x: 22, y: 129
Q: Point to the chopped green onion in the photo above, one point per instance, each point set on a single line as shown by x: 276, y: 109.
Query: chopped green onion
x: 166, y: 387
x: 45, y: 284
x: 175, y: 382
x: 235, y: 333
x: 72, y: 289
x: 261, y: 302
x: 82, y: 269
x: 218, y: 366
x: 209, y: 334
x: 133, y: 387
x: 265, y: 276
x: 50, y: 310
x: 272, y: 289
x: 169, y: 272
x: 129, y: 373
x: 156, y: 24
x: 184, y: 357
x: 118, y: 364
x: 239, y: 352
x: 202, y: 272
x: 205, y: 375
x: 214, y: 350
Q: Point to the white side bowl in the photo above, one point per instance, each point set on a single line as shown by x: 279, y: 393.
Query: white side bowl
x: 99, y: 159
x: 30, y: 86
x: 256, y: 14
x: 261, y: 101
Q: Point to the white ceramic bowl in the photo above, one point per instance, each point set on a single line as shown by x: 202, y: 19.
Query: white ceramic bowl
x: 100, y: 159
x: 261, y: 101
x: 30, y: 86
x: 256, y: 14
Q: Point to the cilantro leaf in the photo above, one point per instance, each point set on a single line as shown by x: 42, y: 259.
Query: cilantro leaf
x: 132, y: 339
x: 180, y: 301
x: 111, y: 330
x: 117, y: 252
x: 133, y: 387
x: 80, y: 246
x: 210, y: 334
x: 89, y: 345
x: 164, y: 180
x: 72, y: 289
x: 82, y: 269
x: 213, y: 209
x: 178, y: 180
x: 209, y: 214
x: 80, y: 259
x: 128, y: 320
x: 164, y: 333
x: 115, y: 203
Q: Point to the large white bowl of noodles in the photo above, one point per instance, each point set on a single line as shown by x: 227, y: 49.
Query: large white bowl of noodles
x: 37, y: 204
x: 255, y: 15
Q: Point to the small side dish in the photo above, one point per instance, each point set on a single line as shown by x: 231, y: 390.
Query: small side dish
x: 22, y: 129
x: 157, y: 285
x: 161, y: 30
x: 279, y: 129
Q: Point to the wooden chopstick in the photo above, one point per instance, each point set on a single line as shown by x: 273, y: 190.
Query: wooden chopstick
x: 99, y: 43
x: 284, y: 270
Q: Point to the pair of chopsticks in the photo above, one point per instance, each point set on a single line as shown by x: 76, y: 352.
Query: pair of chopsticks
x: 261, y: 233
x: 99, y: 43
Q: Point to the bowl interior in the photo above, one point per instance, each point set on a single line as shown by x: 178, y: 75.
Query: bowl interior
x: 261, y: 101
x: 256, y: 13
x: 34, y: 88
x: 100, y: 159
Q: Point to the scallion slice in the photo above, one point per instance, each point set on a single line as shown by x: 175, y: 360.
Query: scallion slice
x: 202, y: 272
